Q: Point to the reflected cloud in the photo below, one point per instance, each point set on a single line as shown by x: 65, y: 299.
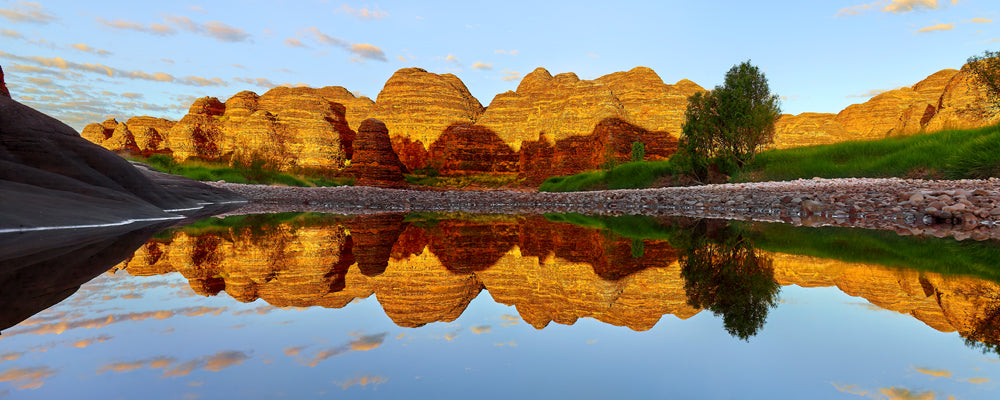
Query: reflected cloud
x: 225, y: 359
x: 976, y: 380
x: 291, y: 351
x: 155, y: 363
x: 895, y: 393
x: 364, y: 381
x: 182, y: 369
x: 363, y: 343
x: 481, y: 329
x: 368, y: 342
x: 10, y: 356
x: 934, y: 373
x: 87, y: 342
x: 60, y: 327
x: 27, y: 378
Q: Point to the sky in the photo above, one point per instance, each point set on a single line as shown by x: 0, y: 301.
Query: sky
x: 83, y: 62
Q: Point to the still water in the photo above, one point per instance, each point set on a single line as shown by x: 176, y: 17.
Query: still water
x: 497, y: 306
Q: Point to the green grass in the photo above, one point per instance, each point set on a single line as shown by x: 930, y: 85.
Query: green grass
x: 952, y: 154
x: 215, y: 171
x: 478, y: 180
x: 854, y: 245
x: 252, y: 223
x: 633, y: 175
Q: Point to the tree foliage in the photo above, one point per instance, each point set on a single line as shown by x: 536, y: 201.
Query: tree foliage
x: 985, y: 73
x: 730, y: 124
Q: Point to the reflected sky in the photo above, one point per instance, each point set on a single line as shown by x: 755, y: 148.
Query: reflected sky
x: 537, y: 308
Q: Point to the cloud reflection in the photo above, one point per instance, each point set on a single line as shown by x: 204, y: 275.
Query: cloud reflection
x: 27, y: 378
x: 363, y: 343
x: 364, y: 381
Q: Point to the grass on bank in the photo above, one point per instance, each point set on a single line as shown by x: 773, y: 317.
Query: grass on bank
x: 200, y: 170
x: 468, y: 181
x: 951, y: 154
x: 633, y: 175
x: 853, y: 245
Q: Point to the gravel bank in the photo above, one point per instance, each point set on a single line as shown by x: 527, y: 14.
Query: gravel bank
x: 963, y: 209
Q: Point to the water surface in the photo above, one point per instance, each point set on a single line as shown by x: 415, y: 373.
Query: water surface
x: 499, y: 306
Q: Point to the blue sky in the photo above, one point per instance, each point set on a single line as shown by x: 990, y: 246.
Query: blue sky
x: 85, y: 61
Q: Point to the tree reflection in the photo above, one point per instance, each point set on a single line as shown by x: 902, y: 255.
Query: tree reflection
x: 985, y: 334
x: 724, y: 273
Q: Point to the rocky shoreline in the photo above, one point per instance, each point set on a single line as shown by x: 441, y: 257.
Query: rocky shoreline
x: 965, y: 209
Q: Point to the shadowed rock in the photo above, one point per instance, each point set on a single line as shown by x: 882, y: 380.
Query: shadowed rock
x: 374, y: 163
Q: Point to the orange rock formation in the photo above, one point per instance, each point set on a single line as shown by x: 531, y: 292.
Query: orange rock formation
x: 551, y: 125
x: 944, y: 100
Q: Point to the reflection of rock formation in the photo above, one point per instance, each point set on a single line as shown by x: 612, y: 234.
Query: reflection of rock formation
x: 426, y: 271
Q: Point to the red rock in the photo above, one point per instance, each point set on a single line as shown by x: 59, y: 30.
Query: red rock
x: 611, y: 140
x: 412, y: 153
x: 374, y: 163
x: 465, y: 149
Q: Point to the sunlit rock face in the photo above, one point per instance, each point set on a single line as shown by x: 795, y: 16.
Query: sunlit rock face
x: 420, y: 105
x: 564, y: 106
x: 946, y: 99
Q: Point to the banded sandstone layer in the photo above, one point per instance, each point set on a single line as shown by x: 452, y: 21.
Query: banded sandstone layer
x: 551, y: 125
x: 552, y: 272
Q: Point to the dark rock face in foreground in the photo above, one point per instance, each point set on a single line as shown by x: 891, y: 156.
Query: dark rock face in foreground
x: 50, y: 176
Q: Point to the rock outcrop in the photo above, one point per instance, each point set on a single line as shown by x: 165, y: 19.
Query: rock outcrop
x: 51, y: 176
x: 374, y: 163
x: 551, y: 125
x: 420, y: 105
x: 464, y: 149
x: 564, y: 106
x: 3, y: 86
x: 944, y: 100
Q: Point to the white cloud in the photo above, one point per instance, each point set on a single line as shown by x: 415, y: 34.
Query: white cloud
x: 893, y: 6
x: 87, y: 49
x: 27, y: 11
x: 214, y: 29
x: 482, y: 65
x: 293, y: 42
x: 364, y: 13
x: 938, y: 27
x: 508, y: 52
x: 509, y: 75
x: 451, y: 58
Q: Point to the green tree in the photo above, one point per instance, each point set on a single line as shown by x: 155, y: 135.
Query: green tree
x: 730, y: 124
x: 985, y: 73
x: 638, y: 151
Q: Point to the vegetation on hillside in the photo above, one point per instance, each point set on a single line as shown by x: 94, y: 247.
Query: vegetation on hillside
x: 249, y: 172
